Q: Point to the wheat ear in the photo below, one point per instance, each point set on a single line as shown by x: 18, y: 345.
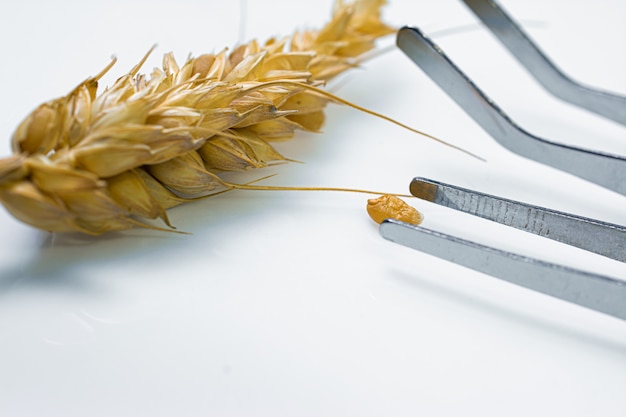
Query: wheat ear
x: 95, y: 163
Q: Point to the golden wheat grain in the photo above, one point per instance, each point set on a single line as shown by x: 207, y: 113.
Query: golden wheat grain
x: 95, y: 163
x: 391, y: 207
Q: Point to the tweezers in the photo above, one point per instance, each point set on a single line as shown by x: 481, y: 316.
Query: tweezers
x: 607, y: 170
x: 598, y: 292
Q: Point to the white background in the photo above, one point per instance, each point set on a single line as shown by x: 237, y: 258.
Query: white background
x: 287, y: 303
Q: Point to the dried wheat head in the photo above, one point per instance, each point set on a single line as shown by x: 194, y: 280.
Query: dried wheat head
x: 98, y: 162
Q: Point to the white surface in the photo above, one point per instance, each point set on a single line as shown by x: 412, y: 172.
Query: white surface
x: 290, y: 303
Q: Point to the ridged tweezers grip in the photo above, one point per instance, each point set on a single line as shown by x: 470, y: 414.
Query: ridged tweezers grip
x: 593, y: 235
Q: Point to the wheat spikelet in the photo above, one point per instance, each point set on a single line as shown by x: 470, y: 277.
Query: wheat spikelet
x: 95, y: 163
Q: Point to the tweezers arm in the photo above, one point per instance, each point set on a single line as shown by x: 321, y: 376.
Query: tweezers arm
x: 604, y: 238
x: 598, y: 292
x: 545, y: 72
x: 601, y: 168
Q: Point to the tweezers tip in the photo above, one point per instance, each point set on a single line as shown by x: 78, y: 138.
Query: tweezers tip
x: 424, y: 189
x: 408, y: 31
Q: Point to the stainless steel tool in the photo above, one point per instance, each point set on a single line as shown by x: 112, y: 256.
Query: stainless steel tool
x: 601, y: 168
x: 507, y: 31
x: 595, y: 291
x: 603, y: 238
x: 599, y: 292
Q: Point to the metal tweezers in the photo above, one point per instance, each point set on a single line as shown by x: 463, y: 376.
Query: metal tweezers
x: 598, y: 292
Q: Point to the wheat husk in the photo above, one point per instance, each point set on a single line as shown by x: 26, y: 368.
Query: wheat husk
x: 99, y: 162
